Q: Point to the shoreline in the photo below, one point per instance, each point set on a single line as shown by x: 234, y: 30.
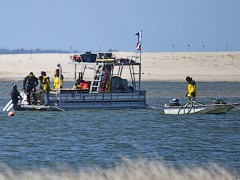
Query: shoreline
x: 157, y: 66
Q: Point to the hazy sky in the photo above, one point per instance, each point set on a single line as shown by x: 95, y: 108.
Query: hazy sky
x: 167, y: 25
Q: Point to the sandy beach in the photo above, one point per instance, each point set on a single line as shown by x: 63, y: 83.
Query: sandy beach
x: 162, y: 66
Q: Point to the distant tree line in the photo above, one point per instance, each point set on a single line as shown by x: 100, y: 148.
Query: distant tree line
x: 38, y: 51
x: 31, y: 51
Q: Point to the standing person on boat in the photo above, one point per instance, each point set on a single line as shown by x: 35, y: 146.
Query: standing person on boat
x: 15, y: 95
x: 39, y: 92
x: 45, y: 84
x: 58, y: 80
x: 30, y: 83
x: 192, y: 89
x: 40, y: 80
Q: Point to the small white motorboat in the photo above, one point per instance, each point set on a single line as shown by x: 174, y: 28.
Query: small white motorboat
x: 193, y: 107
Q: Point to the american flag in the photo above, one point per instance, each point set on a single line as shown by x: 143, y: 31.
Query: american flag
x: 139, y: 34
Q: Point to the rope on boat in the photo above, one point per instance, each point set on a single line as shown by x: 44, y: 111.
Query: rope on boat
x: 153, y: 108
x: 60, y: 109
x: 190, y: 105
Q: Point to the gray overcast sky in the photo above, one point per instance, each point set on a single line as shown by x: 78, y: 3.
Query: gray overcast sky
x: 167, y: 25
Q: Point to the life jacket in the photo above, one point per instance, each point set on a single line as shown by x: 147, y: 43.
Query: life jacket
x: 46, y: 84
x: 192, y: 89
x: 58, y: 82
x: 84, y: 85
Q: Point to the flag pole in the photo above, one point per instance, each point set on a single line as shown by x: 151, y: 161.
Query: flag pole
x: 141, y: 49
x: 140, y: 68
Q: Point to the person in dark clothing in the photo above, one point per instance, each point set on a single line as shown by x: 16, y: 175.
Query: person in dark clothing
x: 39, y: 92
x: 30, y: 83
x: 15, y: 96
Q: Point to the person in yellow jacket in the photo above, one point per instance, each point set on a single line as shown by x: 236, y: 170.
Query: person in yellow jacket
x: 58, y: 81
x: 192, y: 89
x: 45, y: 84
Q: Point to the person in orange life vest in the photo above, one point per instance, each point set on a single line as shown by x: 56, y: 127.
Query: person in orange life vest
x: 81, y: 84
x: 84, y: 85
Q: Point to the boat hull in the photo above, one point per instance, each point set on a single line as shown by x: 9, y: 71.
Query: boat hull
x: 77, y: 100
x: 201, y: 109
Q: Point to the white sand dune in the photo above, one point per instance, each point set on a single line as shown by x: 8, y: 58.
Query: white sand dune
x: 162, y: 66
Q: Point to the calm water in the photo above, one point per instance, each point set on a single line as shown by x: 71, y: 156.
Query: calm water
x: 124, y: 144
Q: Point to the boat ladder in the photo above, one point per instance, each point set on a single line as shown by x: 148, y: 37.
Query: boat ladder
x: 97, y: 78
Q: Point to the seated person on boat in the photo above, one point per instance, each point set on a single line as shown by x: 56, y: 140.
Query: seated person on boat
x: 81, y: 84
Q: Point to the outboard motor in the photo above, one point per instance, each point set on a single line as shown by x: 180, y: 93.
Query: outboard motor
x: 174, y: 102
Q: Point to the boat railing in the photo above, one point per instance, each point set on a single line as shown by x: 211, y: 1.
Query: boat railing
x: 76, y: 97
